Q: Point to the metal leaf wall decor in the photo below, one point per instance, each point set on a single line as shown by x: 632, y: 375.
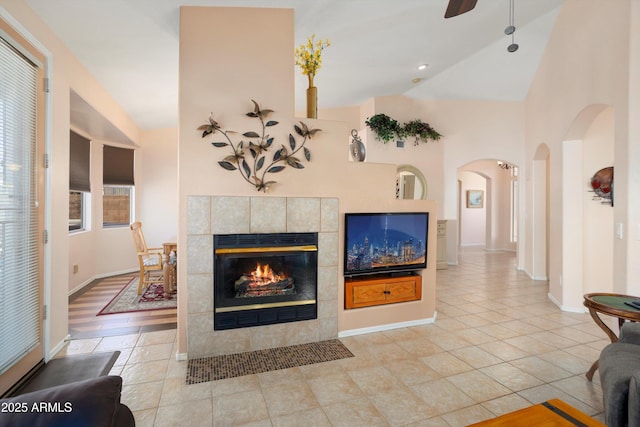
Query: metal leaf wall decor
x: 250, y: 154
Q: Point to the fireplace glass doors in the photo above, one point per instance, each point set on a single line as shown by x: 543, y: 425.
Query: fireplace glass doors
x: 261, y: 279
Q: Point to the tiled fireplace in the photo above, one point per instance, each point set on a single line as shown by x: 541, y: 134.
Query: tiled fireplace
x: 260, y: 216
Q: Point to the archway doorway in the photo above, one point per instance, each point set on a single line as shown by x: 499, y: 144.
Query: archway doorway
x: 540, y: 224
x: 581, y: 246
x: 488, y: 200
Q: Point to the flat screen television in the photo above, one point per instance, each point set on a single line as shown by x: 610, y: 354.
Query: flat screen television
x: 385, y: 242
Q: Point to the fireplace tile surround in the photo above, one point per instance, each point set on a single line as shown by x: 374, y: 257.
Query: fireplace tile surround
x: 208, y: 215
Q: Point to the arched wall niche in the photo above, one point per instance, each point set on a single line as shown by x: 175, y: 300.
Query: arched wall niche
x: 583, y: 121
x: 587, y: 224
x: 542, y: 152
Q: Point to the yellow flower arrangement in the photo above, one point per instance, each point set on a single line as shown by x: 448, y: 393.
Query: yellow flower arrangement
x: 309, y: 56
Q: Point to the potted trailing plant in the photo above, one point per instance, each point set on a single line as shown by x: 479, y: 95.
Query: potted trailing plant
x: 420, y: 130
x: 384, y: 127
x: 387, y: 129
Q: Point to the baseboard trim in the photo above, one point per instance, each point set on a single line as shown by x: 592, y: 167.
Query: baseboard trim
x: 501, y: 250
x: 57, y: 348
x: 568, y: 309
x: 387, y: 327
x: 554, y: 300
x: 541, y: 278
x: 81, y: 286
x: 532, y: 277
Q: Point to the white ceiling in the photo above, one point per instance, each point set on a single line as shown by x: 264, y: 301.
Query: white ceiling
x: 131, y: 47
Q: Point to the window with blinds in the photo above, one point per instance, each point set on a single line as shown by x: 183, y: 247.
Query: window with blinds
x: 79, y: 181
x: 118, y: 186
x: 20, y: 210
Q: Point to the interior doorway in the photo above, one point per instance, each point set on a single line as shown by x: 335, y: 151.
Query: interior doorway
x: 540, y: 223
x: 488, y: 205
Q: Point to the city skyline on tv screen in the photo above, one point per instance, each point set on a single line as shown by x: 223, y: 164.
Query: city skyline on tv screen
x: 381, y: 242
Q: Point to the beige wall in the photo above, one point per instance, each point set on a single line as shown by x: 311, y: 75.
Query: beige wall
x: 473, y: 221
x: 66, y: 73
x: 472, y: 130
x: 631, y: 156
x: 105, y: 252
x: 579, y: 69
x: 158, y: 201
x: 102, y: 252
x: 476, y: 130
x: 490, y: 226
x: 206, y: 87
x: 427, y: 157
x: 598, y: 218
x: 415, y: 312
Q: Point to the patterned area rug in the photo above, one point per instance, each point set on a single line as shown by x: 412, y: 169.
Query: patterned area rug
x: 254, y: 362
x: 128, y: 300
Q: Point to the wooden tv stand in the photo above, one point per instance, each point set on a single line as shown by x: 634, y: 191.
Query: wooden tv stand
x: 381, y: 289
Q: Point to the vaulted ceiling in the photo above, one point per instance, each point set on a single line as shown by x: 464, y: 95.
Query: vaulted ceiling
x: 131, y: 47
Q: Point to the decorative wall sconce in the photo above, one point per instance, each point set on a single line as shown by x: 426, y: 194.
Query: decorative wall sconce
x: 504, y: 165
x: 358, y: 151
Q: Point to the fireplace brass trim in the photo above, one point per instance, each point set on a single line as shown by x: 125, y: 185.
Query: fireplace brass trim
x: 306, y: 248
x: 268, y: 305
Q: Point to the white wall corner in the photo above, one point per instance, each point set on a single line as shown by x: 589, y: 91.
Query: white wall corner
x: 57, y: 348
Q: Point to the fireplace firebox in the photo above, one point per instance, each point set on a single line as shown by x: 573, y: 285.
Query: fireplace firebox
x: 262, y: 279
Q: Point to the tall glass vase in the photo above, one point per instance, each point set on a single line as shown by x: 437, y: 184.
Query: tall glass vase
x: 312, y: 100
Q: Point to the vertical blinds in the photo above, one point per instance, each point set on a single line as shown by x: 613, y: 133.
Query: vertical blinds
x: 117, y: 166
x: 79, y: 163
x: 19, y: 242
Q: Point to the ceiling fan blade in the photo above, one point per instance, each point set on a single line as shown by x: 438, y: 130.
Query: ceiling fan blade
x: 458, y: 7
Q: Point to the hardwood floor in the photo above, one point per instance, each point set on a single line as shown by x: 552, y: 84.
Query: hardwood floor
x: 85, y: 305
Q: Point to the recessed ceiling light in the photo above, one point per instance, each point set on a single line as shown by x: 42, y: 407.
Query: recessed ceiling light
x: 422, y: 66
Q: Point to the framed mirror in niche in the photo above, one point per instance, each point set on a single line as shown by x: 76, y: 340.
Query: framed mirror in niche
x: 410, y: 183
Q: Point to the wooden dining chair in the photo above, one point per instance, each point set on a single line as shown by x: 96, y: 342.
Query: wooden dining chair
x: 150, y: 259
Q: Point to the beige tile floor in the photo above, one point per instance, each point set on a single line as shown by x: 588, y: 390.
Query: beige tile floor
x: 498, y: 345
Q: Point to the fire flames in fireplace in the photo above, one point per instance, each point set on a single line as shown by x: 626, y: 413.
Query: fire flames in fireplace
x: 263, y: 281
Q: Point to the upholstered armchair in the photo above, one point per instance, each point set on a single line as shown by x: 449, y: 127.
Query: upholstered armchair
x: 619, y: 366
x: 93, y: 402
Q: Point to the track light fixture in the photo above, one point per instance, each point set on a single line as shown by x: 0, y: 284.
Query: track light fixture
x: 511, y: 28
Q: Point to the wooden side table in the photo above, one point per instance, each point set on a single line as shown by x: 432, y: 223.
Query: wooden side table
x: 610, y: 305
x: 168, y: 247
x: 552, y: 413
